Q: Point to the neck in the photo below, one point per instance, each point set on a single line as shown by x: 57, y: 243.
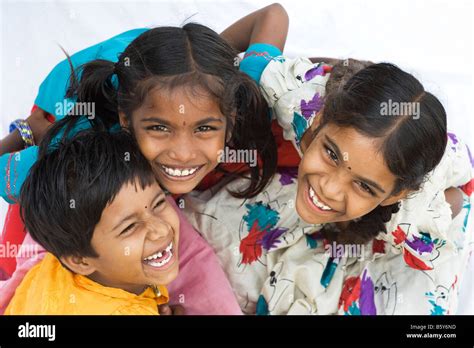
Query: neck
x: 132, y: 288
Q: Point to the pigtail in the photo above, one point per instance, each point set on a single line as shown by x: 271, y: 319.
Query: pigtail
x: 363, y: 230
x: 96, y: 87
x: 90, y: 83
x: 252, y: 131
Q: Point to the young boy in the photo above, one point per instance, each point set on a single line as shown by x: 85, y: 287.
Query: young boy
x: 111, y: 234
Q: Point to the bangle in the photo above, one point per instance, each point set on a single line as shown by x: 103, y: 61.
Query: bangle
x: 25, y: 131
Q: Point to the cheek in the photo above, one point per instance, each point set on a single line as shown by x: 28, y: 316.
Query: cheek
x: 149, y: 146
x: 358, y: 206
x: 115, y: 252
x: 313, y: 163
x: 211, y: 147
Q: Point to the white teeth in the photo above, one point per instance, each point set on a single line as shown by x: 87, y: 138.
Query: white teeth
x: 178, y: 172
x: 162, y: 263
x: 160, y: 253
x: 315, y: 200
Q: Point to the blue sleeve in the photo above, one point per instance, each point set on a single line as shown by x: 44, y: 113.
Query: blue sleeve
x: 14, y: 167
x: 256, y: 59
x: 53, y: 89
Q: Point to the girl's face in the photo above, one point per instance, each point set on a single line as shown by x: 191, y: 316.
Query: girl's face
x: 181, y: 137
x: 342, y: 176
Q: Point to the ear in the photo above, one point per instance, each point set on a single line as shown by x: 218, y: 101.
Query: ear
x: 394, y: 199
x: 78, y: 264
x: 123, y: 120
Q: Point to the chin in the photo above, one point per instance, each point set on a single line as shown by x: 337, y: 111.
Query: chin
x: 167, y: 278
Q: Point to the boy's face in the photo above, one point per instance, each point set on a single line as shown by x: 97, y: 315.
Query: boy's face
x: 180, y: 135
x: 137, y: 240
x: 342, y: 176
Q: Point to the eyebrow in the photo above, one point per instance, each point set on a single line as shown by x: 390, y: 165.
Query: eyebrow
x: 166, y: 123
x: 339, y: 155
x: 131, y: 216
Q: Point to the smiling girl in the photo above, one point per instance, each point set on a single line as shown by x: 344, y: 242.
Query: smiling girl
x: 370, y: 189
x: 180, y: 93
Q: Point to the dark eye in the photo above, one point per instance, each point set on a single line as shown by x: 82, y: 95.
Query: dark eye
x: 205, y: 129
x: 159, y: 204
x: 158, y: 128
x: 128, y: 229
x: 364, y: 187
x: 331, y: 154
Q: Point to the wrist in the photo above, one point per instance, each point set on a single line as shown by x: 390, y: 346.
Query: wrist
x: 23, y: 129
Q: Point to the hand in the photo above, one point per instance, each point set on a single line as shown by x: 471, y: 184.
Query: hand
x: 39, y: 124
x: 166, y: 309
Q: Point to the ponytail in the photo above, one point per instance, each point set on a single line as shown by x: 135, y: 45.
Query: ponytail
x: 95, y: 87
x: 251, y: 132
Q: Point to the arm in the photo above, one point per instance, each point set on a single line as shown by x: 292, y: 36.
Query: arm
x: 39, y: 125
x: 11, y: 143
x: 268, y: 25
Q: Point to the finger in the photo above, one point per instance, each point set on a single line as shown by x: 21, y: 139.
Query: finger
x: 165, y: 310
x: 178, y: 310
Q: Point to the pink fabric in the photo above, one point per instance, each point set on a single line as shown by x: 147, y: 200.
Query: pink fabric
x: 201, y: 286
x: 23, y: 265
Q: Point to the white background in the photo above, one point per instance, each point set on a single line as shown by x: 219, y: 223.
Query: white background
x: 431, y: 39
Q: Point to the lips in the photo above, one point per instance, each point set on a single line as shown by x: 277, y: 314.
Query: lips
x: 316, y: 203
x: 162, y: 257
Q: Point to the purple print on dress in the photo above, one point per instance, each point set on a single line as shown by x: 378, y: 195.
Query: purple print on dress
x: 312, y: 106
x: 421, y: 245
x: 287, y: 175
x: 311, y: 73
x: 366, y: 299
x: 270, y: 238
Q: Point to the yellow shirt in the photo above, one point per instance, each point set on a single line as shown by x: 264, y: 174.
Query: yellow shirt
x: 49, y: 288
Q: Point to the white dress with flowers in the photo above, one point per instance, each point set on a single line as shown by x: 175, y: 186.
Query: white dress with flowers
x: 279, y: 264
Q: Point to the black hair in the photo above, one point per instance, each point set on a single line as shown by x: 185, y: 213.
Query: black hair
x: 68, y: 188
x: 411, y: 145
x: 342, y: 71
x: 194, y: 57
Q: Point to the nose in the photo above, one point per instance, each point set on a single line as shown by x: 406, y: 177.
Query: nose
x: 157, y: 229
x: 182, y: 148
x: 332, y: 187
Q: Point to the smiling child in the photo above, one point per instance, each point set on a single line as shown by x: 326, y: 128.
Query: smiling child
x: 111, y: 233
